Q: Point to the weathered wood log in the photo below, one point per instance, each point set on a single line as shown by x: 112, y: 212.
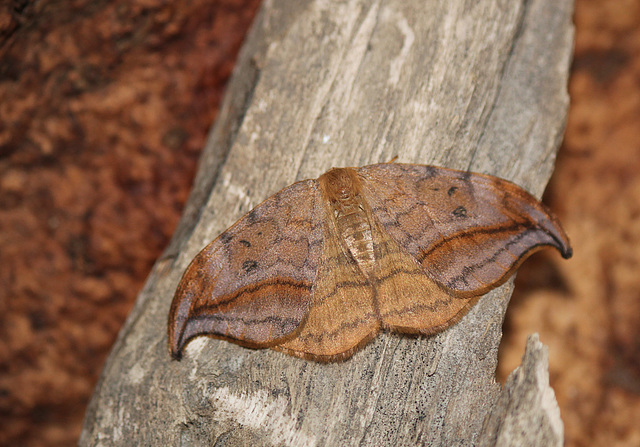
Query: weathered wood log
x: 469, y: 85
x: 526, y: 413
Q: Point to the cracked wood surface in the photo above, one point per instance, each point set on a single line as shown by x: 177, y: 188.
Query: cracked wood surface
x: 466, y: 85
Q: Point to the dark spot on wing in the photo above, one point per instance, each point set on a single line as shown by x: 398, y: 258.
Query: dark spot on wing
x: 249, y: 266
x: 460, y: 212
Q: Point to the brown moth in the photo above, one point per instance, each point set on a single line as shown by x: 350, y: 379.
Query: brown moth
x: 318, y: 269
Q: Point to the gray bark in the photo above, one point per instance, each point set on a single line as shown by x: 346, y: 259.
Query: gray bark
x: 526, y: 413
x: 478, y: 85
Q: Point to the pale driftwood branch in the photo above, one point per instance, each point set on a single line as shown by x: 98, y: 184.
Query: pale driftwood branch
x: 526, y: 413
x: 474, y: 85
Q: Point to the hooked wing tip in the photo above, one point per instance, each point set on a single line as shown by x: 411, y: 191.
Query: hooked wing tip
x: 175, y: 346
x: 176, y: 340
x: 562, y: 242
x: 176, y: 355
x: 559, y: 238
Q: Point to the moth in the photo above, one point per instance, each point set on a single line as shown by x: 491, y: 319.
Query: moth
x: 319, y: 268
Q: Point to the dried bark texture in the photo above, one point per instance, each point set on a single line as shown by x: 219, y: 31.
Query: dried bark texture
x: 479, y: 86
x: 526, y: 412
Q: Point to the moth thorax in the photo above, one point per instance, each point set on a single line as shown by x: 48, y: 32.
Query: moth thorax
x: 343, y: 191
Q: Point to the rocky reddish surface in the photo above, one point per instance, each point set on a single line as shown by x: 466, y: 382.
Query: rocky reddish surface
x: 105, y: 106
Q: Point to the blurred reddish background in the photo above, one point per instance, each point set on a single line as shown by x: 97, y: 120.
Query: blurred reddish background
x: 105, y: 108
